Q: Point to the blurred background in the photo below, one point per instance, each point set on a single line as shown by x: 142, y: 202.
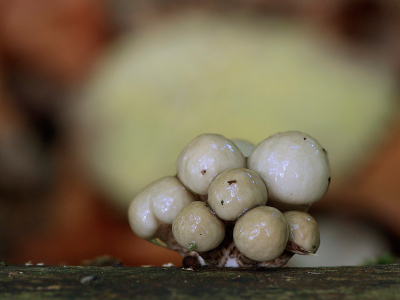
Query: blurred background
x: 97, y: 99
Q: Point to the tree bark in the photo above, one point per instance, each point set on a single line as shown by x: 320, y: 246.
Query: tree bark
x: 44, y: 282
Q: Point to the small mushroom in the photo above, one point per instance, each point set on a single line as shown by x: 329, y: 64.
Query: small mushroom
x: 235, y: 191
x: 214, y: 211
x: 261, y: 234
x: 158, y: 202
x: 196, y: 228
x: 204, y: 158
x: 294, y: 167
x: 303, y: 232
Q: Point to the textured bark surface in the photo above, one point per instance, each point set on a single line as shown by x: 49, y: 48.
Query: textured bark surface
x: 35, y: 282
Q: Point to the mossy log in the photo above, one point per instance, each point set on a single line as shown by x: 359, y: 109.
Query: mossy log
x: 118, y: 282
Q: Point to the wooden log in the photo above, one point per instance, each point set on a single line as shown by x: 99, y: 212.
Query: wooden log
x: 118, y: 282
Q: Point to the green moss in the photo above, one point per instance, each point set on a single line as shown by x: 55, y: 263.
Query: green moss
x: 192, y: 246
x: 385, y: 259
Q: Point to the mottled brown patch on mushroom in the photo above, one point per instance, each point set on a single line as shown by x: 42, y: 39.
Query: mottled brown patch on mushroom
x: 203, y: 172
x: 304, y: 138
x: 231, y: 181
x: 280, y: 261
x: 295, y: 248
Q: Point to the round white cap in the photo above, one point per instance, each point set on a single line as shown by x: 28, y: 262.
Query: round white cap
x: 294, y: 167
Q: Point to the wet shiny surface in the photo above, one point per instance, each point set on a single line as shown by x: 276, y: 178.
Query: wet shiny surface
x: 303, y: 230
x: 236, y: 191
x: 195, y: 223
x: 158, y: 202
x: 204, y: 158
x: 293, y: 166
x: 142, y: 219
x: 261, y: 234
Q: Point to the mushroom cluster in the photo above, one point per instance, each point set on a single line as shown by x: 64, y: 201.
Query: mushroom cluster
x: 233, y: 204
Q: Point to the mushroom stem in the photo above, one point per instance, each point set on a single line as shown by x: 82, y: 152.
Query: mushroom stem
x: 227, y: 255
x: 280, y: 261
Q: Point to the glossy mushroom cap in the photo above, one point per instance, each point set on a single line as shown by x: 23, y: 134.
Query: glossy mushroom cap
x: 235, y: 191
x: 303, y: 230
x: 294, y: 167
x: 261, y: 234
x: 204, y: 158
x: 158, y: 202
x: 196, y: 228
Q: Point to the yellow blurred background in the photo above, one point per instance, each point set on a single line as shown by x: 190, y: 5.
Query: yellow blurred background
x: 97, y: 98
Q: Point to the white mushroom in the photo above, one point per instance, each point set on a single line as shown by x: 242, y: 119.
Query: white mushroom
x: 235, y: 191
x: 289, y: 170
x: 196, y: 228
x: 204, y: 158
x: 261, y: 234
x: 303, y: 232
x: 294, y: 167
x: 158, y: 202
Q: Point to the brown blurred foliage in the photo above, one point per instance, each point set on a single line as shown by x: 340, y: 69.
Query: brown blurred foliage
x: 57, y: 39
x: 49, y: 210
